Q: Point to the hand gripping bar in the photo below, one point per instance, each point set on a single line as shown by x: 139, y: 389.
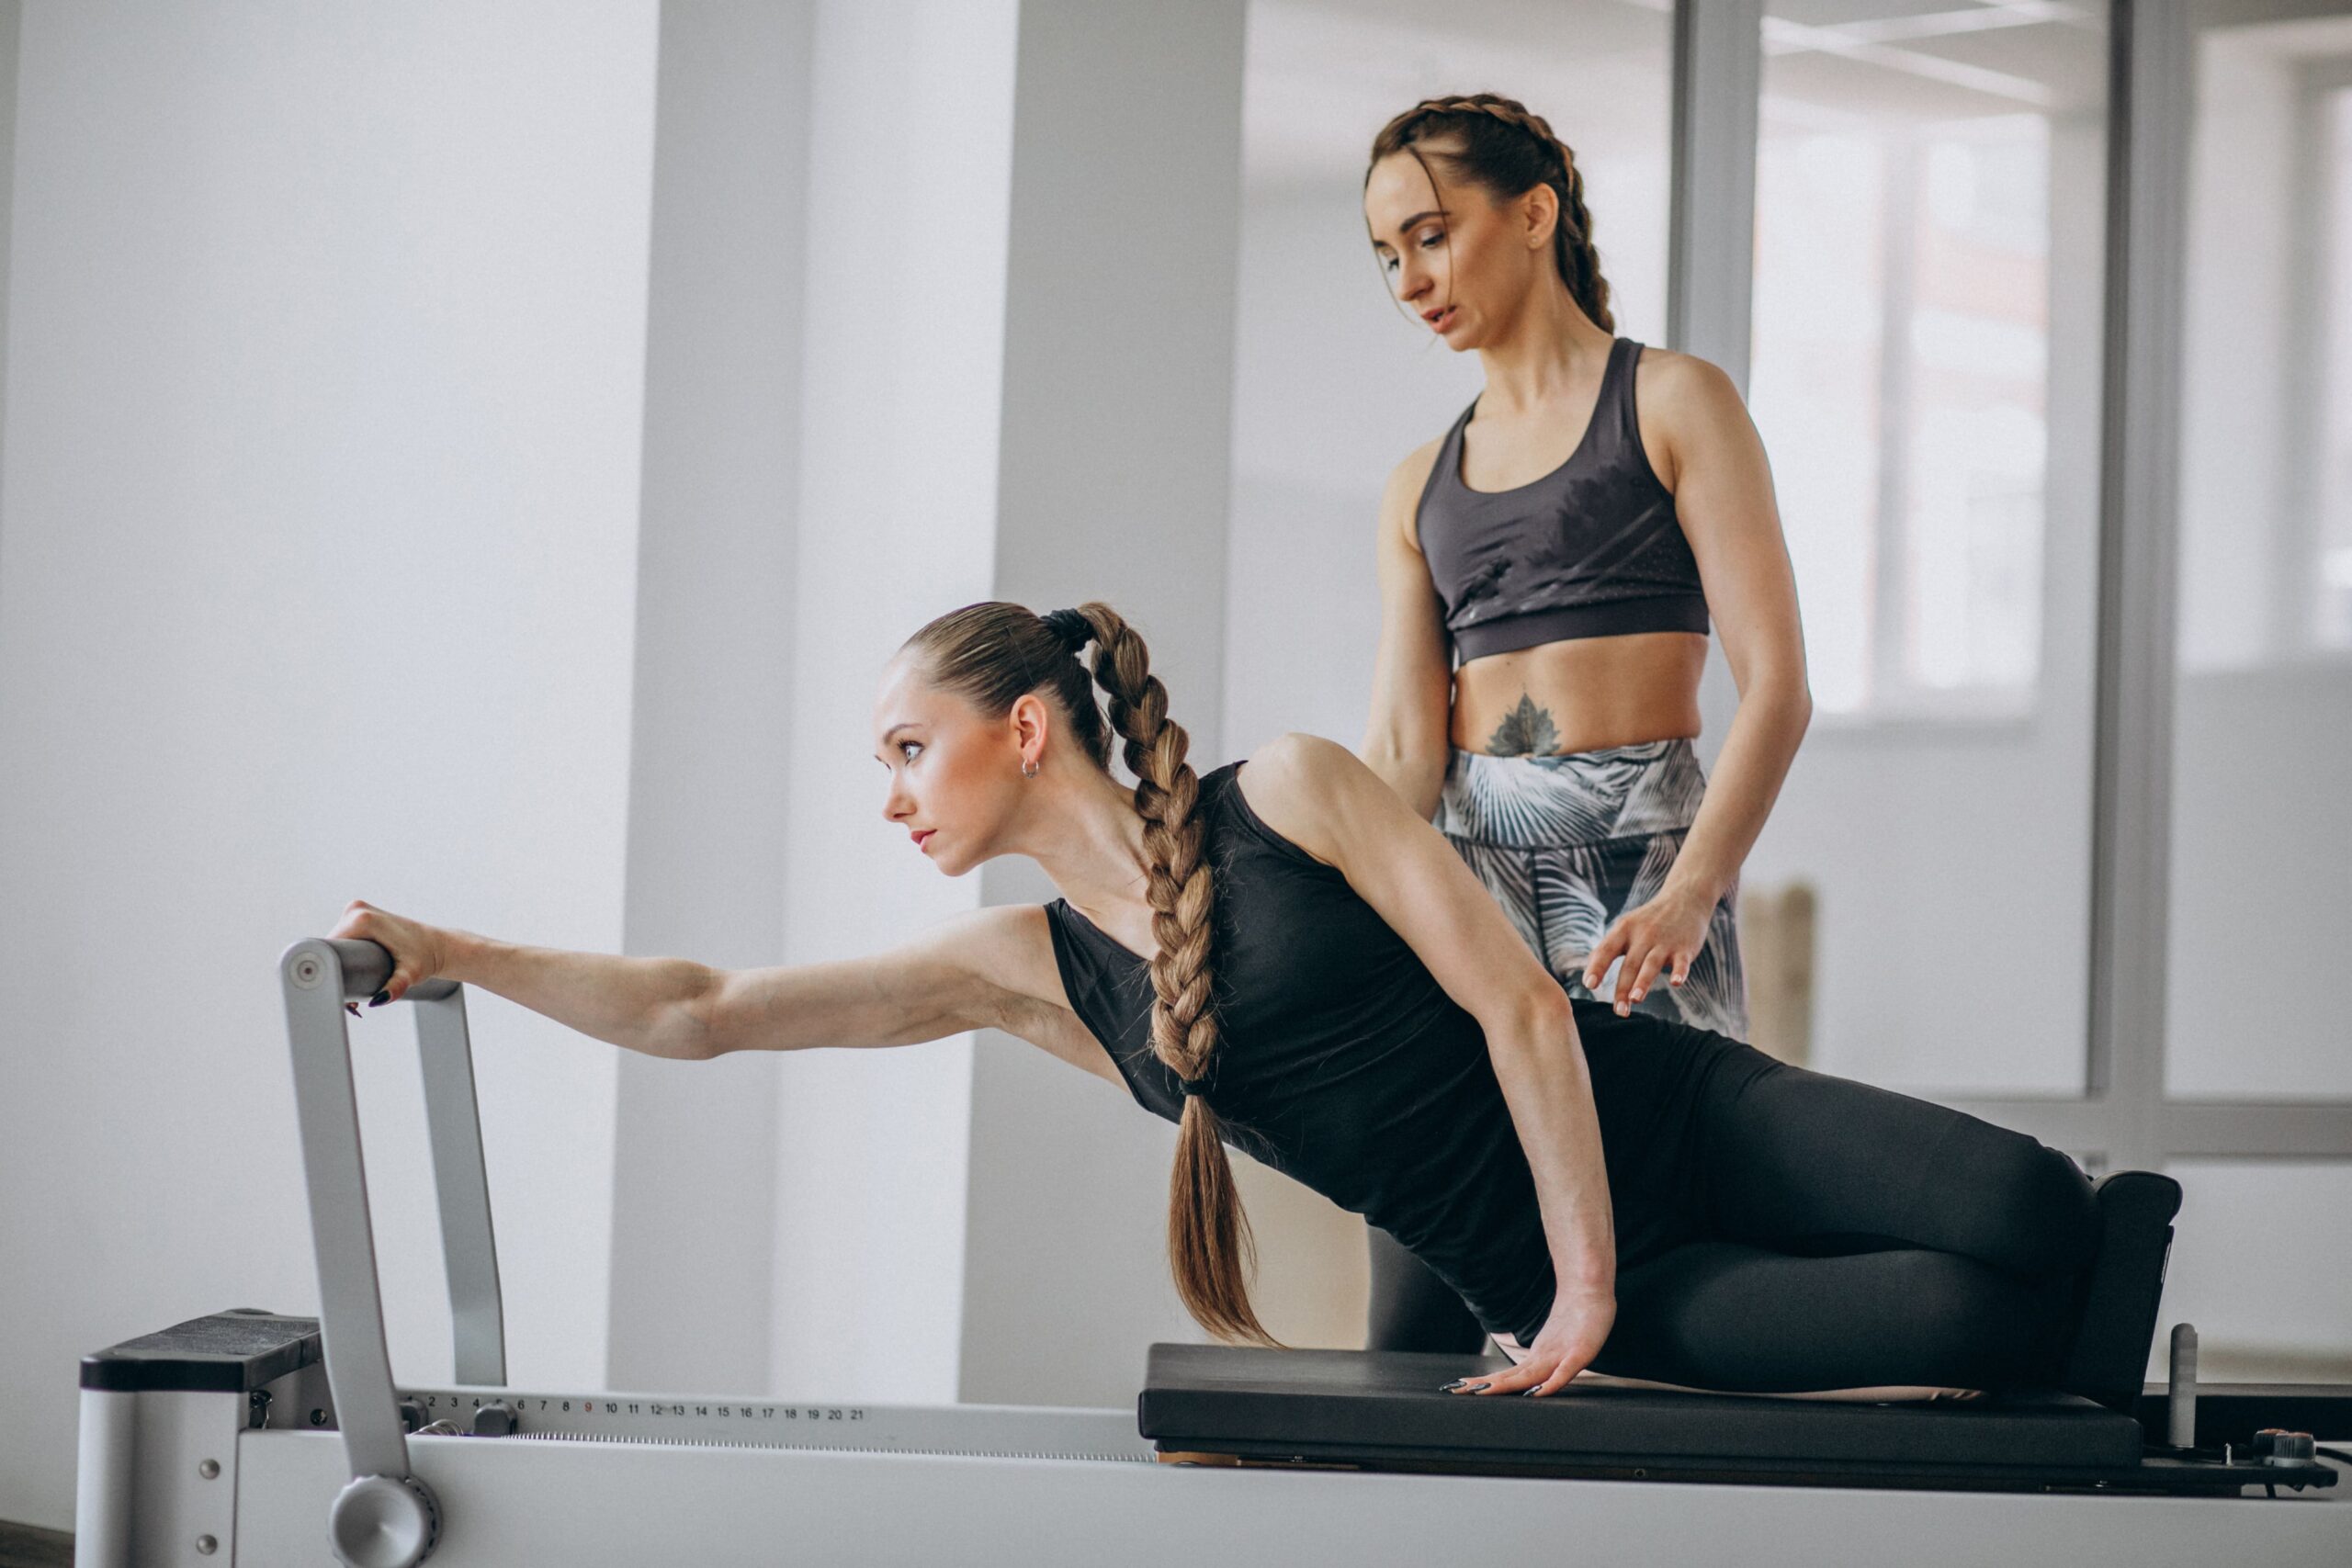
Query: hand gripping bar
x: 377, y: 1521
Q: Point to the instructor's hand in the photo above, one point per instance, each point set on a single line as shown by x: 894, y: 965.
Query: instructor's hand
x: 1570, y: 1339
x: 419, y: 951
x: 1666, y: 934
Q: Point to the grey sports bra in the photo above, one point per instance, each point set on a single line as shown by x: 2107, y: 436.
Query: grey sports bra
x: 1593, y: 549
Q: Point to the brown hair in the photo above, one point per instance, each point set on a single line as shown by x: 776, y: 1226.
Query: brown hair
x: 1499, y: 144
x: 993, y: 654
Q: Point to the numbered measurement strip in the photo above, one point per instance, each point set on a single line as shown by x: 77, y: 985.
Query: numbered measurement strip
x: 1002, y: 1430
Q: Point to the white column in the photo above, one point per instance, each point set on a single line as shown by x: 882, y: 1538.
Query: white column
x: 694, y: 1145
x: 903, y: 302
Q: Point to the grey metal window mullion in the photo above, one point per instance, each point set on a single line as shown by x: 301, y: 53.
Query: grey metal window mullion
x: 1892, y: 622
x: 2292, y: 625
x: 2149, y: 104
x: 2121, y: 1119
x: 1711, y: 238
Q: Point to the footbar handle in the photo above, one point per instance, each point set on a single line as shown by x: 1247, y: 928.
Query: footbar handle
x: 385, y: 1517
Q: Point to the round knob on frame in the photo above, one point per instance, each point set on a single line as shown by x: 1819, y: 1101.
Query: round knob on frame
x: 383, y: 1521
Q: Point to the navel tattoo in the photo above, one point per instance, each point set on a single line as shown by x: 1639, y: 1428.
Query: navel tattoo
x: 1526, y: 731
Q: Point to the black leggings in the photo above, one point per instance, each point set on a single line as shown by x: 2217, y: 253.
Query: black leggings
x: 1829, y: 1235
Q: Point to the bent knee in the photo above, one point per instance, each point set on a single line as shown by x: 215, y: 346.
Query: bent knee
x: 2047, y: 1211
x: 1966, y: 1325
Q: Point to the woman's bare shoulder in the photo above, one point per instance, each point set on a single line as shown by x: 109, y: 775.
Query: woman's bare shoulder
x: 1009, y: 949
x: 1400, y: 499
x: 1307, y: 788
x: 1412, y: 471
x: 1684, y: 386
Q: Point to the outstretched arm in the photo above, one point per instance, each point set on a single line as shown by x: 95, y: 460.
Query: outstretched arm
x: 992, y: 968
x: 1321, y: 798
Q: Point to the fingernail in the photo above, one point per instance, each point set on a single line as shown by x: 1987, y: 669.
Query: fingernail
x: 1637, y: 996
x: 351, y: 1008
x: 1527, y: 1391
x: 1450, y: 1387
x: 379, y: 998
x: 1474, y: 1388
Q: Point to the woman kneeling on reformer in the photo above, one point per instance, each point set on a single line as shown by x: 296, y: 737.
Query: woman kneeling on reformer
x: 1280, y: 956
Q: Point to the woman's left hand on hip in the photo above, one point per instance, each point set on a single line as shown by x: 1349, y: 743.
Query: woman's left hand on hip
x: 1661, y: 936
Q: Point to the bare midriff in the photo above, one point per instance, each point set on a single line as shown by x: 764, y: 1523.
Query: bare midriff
x: 1586, y: 694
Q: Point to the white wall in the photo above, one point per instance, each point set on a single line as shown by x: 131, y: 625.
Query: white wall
x: 317, y: 566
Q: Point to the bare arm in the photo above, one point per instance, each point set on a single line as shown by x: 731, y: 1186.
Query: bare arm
x: 990, y: 969
x: 1412, y: 676
x: 1321, y: 798
x: 1723, y: 492
x: 993, y: 968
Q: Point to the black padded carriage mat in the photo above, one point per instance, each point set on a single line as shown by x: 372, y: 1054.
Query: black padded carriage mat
x: 1379, y: 1407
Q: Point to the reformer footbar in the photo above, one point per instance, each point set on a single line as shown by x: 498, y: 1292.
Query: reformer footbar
x: 263, y: 1439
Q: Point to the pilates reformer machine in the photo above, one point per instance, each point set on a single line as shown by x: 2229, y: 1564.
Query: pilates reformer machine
x: 251, y: 1438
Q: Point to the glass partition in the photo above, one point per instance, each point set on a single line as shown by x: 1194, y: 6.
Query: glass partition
x: 2261, y: 861
x: 1926, y: 351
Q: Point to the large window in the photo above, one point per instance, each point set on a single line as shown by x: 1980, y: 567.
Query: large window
x: 1930, y: 187
x: 1916, y: 173
x: 2262, y: 711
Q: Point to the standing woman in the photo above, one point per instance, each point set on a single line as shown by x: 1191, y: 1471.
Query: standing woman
x: 1548, y: 569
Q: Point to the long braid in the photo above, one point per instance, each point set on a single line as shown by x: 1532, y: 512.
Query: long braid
x: 1209, y: 1246
x: 1572, y: 243
x: 1510, y: 165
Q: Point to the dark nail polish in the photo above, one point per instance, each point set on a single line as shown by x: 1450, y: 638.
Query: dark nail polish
x: 1531, y: 1391
x: 1474, y: 1388
x: 379, y: 998
x: 1449, y: 1387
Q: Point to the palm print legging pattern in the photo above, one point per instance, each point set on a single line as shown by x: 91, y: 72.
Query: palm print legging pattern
x: 1568, y: 843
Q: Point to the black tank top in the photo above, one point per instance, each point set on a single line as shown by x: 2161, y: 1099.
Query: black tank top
x: 1593, y: 549
x: 1344, y: 1064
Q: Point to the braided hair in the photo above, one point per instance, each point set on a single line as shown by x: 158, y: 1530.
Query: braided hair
x: 992, y: 654
x: 1499, y: 144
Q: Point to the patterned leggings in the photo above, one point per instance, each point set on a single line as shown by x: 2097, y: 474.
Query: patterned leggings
x: 1566, y: 844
